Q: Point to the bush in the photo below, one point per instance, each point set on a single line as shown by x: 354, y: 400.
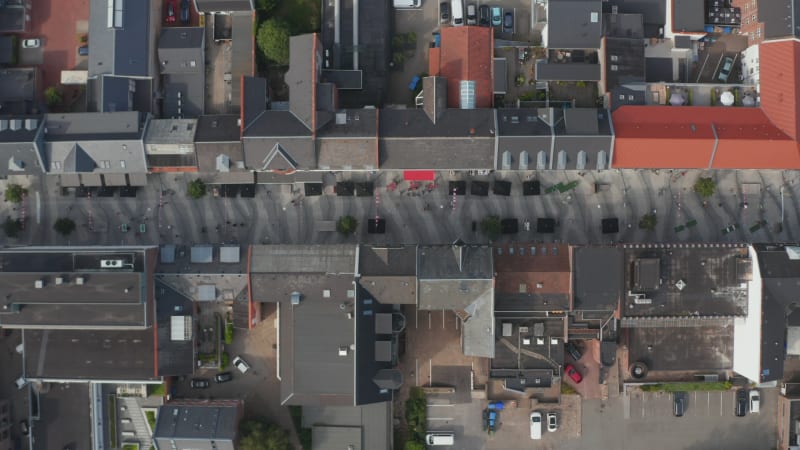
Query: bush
x: 14, y: 193
x: 304, y: 434
x: 196, y: 189
x: 151, y: 419
x: 52, y: 96
x: 64, y: 226
x: 705, y: 187
x: 648, y: 222
x: 266, y: 5
x: 688, y: 386
x: 347, y: 225
x: 273, y: 41
x: 158, y: 390
x: 12, y: 227
x: 580, y: 84
x: 490, y: 226
x: 228, y: 333
x: 416, y: 414
x: 225, y: 362
x: 260, y: 435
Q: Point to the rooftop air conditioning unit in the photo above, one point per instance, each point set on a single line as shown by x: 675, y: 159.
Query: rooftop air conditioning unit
x: 79, y: 281
x: 59, y: 281
x: 38, y: 284
x: 111, y: 263
x: 343, y: 350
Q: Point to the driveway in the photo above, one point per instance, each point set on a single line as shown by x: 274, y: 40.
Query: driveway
x: 11, y: 362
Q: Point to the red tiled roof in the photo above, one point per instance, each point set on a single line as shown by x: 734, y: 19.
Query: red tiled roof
x: 779, y: 72
x: 684, y: 137
x: 466, y: 54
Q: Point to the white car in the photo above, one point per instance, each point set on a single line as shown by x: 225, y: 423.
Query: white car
x: 552, y: 422
x: 31, y: 43
x: 755, y: 401
x: 536, y: 425
x: 241, y: 364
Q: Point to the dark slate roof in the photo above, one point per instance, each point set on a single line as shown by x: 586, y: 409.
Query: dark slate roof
x: 17, y: 90
x: 626, y: 95
x: 300, y: 79
x: 198, y: 424
x: 658, y: 69
x: 217, y: 128
x: 625, y: 61
x: 372, y: 423
x: 6, y: 48
x: 19, y: 149
x: 688, y: 16
x: 120, y: 51
x: 277, y: 124
x: 567, y: 71
x: 461, y: 139
x: 367, y: 362
x: 279, y: 153
x: 12, y: 18
x: 223, y: 5
x: 523, y: 133
x: 777, y: 18
x: 181, y: 50
x: 255, y: 99
x: 242, y: 43
x: 654, y: 12
x: 115, y: 94
x: 175, y: 358
x: 184, y: 94
x: 773, y: 334
x: 629, y: 26
x: 574, y: 24
x: 598, y: 278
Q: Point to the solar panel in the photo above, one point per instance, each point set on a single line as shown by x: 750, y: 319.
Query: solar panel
x: 467, y: 94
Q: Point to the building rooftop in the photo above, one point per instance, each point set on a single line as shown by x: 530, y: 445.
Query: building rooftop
x: 465, y: 54
x: 336, y: 427
x: 171, y: 131
x: 191, y: 422
x: 528, y: 280
x: 697, y: 281
x: 17, y: 90
x: 654, y: 13
x: 688, y: 16
x: 389, y: 274
x: 205, y: 6
x: 126, y: 355
x: 528, y: 343
x: 218, y: 128
x: 574, y: 24
x: 780, y: 96
x: 325, y: 259
x: 598, y: 278
x: 122, y: 47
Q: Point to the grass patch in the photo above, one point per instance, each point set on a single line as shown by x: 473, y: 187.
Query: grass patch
x: 158, y: 390
x: 304, y: 434
x: 567, y: 389
x: 690, y: 386
x: 112, y: 421
x: 130, y: 447
x: 416, y: 414
x: 225, y: 362
x: 151, y: 420
x: 228, y: 333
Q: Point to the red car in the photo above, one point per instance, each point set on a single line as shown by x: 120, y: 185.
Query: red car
x: 170, y: 12
x: 569, y: 370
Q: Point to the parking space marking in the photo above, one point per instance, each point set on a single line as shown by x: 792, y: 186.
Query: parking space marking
x: 430, y: 371
x: 429, y: 321
x: 440, y: 418
x: 443, y: 319
x: 720, y: 404
x: 721, y: 57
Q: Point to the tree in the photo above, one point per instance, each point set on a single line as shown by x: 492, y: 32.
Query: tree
x: 52, y: 96
x: 196, y: 189
x: 259, y: 435
x: 648, y: 222
x: 14, y: 193
x: 705, y: 187
x: 347, y: 225
x: 64, y: 226
x: 490, y: 226
x: 273, y: 41
x: 12, y: 227
x: 266, y: 5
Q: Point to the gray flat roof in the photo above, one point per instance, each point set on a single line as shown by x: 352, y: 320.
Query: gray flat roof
x: 311, y: 336
x: 218, y: 128
x: 398, y: 260
x: 184, y: 94
x: 302, y: 58
x: 90, y: 355
x: 598, y: 278
x: 574, y: 24
x: 124, y: 50
x: 171, y: 131
x: 256, y: 93
x: 511, y: 352
x: 700, y: 281
x: 242, y: 61
x: 285, y: 259
x: 175, y: 358
x: 455, y: 262
x: 196, y: 421
x: 64, y: 416
x: 693, y: 348
x: 372, y: 422
x: 627, y: 57
x: 12, y: 18
x: 17, y: 84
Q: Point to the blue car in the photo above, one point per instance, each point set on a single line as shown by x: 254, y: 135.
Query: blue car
x: 414, y: 83
x: 185, y: 11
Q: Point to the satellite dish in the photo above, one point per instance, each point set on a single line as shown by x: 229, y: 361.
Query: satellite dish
x: 726, y: 98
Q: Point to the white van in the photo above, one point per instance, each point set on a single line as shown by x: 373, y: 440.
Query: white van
x: 457, y: 13
x: 536, y: 425
x: 440, y: 438
x: 403, y: 4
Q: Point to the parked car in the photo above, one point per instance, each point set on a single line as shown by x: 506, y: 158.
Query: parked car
x: 497, y: 16
x: 508, y: 22
x: 725, y: 71
x: 484, y: 16
x: 185, y: 11
x: 199, y: 383
x: 741, y: 403
x: 440, y: 438
x: 444, y: 12
x: 572, y: 373
x: 414, y: 82
x: 678, y: 404
x: 457, y: 11
x: 31, y: 43
x: 170, y: 18
x: 536, y: 425
x: 223, y: 377
x: 755, y: 401
x: 552, y: 422
x: 573, y: 351
x: 83, y: 50
x: 241, y: 364
x: 472, y: 14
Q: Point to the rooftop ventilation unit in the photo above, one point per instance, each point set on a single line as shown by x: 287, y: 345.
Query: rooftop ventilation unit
x: 111, y: 263
x: 79, y: 281
x: 38, y: 284
x: 343, y: 350
x: 59, y: 281
x: 295, y: 298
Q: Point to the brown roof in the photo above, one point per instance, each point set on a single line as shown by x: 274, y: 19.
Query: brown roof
x: 465, y: 54
x: 521, y: 273
x: 779, y: 70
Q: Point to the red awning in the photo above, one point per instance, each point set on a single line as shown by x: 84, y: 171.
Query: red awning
x: 419, y: 175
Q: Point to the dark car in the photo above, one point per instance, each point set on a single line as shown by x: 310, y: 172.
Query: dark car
x: 678, y: 403
x: 484, y: 16
x: 199, y: 383
x: 223, y: 377
x: 185, y: 11
x: 573, y: 351
x: 741, y: 403
x: 83, y: 50
x: 444, y: 12
x: 508, y: 22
